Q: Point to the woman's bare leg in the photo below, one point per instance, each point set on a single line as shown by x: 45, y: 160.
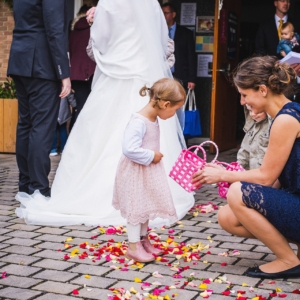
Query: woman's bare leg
x: 262, y: 229
x: 228, y: 221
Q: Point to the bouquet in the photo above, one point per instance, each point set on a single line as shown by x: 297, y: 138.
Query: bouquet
x: 90, y: 15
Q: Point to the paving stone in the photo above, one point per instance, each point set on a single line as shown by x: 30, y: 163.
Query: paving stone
x: 4, y: 231
x: 52, y: 230
x: 249, y: 262
x: 19, y: 270
x: 237, y: 279
x: 80, y: 227
x: 127, y: 285
x: 22, y: 242
x: 21, y: 250
x: 95, y: 281
x: 2, y: 246
x: 18, y: 294
x: 54, y: 264
x: 23, y: 234
x: 200, y: 274
x: 6, y: 207
x: 192, y: 234
x: 5, y: 212
x: 50, y: 254
x: 56, y: 275
x: 182, y: 294
x: 56, y: 287
x: 3, y: 224
x: 199, y: 266
x: 262, y: 249
x: 236, y: 246
x: 18, y: 259
x: 212, y: 231
x: 2, y: 254
x: 23, y: 227
x: 228, y: 269
x: 218, y: 297
x: 51, y: 246
x: 20, y: 282
x: 5, y: 218
x: 253, y: 242
x: 219, y: 259
x: 50, y: 296
x: 91, y: 270
x: 151, y: 268
x: 233, y: 239
x: 259, y: 292
x: 80, y: 234
x: 94, y: 294
x: 51, y: 238
x: 129, y: 275
x: 216, y: 287
x: 280, y: 284
x: 166, y: 281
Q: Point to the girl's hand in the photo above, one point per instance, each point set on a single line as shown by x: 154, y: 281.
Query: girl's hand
x: 157, y: 157
x: 210, y: 174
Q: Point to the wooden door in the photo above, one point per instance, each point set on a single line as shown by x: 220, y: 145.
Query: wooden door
x: 224, y: 98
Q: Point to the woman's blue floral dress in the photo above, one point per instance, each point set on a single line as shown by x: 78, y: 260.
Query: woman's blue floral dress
x: 280, y: 207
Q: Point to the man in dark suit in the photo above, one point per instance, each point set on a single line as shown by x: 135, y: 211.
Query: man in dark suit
x: 185, y: 68
x: 268, y: 35
x: 39, y: 65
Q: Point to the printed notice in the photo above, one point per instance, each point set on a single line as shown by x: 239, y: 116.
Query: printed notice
x: 202, y: 66
x: 188, y: 14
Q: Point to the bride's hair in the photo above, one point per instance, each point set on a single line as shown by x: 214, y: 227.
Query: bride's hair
x: 165, y: 89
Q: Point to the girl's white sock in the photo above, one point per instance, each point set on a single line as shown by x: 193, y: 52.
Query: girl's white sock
x: 144, y: 228
x: 134, y: 233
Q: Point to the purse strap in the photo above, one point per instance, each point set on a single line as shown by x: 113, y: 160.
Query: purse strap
x: 198, y: 147
x: 192, y: 95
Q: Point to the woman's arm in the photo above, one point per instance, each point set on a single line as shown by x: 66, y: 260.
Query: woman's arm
x: 283, y: 134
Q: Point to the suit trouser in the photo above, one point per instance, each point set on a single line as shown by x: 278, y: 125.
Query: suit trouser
x: 38, y: 101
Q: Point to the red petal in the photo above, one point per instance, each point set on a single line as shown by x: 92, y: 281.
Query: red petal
x: 241, y: 292
x: 226, y: 293
x: 296, y: 292
x: 225, y: 264
x: 75, y: 292
x: 282, y: 295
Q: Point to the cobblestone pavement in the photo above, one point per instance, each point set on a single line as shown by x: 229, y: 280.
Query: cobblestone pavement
x: 35, y: 269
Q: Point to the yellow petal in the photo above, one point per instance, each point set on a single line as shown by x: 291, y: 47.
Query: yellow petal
x: 208, y: 238
x: 167, y: 297
x: 278, y: 290
x: 203, y: 286
x: 256, y: 298
x: 244, y: 284
x: 66, y: 245
x: 69, y: 240
x: 158, y: 258
x: 87, y: 276
x: 74, y: 252
x: 132, y: 290
x: 178, y: 256
x: 205, y: 262
x: 137, y: 280
x: 181, y: 226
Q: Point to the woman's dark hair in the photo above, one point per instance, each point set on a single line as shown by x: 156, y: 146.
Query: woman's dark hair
x: 172, y: 6
x: 83, y: 9
x: 265, y: 70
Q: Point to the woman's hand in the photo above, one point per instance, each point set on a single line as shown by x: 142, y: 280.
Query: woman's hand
x: 210, y: 174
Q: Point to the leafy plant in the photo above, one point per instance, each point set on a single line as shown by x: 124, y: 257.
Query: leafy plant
x: 8, y: 90
x: 9, y: 3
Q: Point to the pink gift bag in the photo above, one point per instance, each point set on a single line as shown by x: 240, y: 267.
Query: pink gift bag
x: 224, y: 186
x: 189, y: 163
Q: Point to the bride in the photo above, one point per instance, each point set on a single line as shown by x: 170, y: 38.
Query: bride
x: 129, y: 44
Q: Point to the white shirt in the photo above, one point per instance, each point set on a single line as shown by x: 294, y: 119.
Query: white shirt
x: 277, y: 19
x: 132, y: 143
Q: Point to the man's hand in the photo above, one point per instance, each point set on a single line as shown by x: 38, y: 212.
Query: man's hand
x: 157, y: 157
x: 66, y: 88
x: 191, y: 85
x: 296, y: 67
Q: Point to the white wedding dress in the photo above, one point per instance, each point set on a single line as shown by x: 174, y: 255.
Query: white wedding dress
x: 129, y: 43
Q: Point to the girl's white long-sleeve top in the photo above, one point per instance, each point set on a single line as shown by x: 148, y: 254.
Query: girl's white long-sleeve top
x: 132, y: 143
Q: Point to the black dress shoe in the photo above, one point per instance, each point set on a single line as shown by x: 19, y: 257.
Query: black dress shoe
x: 290, y: 273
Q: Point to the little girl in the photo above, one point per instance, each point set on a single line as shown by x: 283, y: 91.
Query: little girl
x: 141, y: 190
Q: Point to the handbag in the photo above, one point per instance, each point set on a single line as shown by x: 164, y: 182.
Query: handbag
x: 89, y: 50
x: 189, y: 163
x: 192, y: 127
x: 224, y: 186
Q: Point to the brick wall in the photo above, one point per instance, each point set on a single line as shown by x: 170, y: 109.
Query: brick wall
x: 6, y: 28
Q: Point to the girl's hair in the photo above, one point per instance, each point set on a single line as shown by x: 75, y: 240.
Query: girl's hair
x: 165, y: 89
x: 266, y: 70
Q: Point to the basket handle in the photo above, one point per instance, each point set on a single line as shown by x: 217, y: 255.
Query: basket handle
x: 225, y: 164
x: 198, y: 147
x: 217, y: 148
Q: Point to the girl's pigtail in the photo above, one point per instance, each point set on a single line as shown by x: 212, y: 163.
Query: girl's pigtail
x: 143, y: 91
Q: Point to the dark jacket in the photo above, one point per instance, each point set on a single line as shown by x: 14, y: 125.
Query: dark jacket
x: 185, y: 56
x: 267, y: 37
x: 39, y: 47
x: 82, y: 67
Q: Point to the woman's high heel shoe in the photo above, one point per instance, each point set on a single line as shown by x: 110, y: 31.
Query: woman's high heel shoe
x: 149, y: 247
x: 290, y: 273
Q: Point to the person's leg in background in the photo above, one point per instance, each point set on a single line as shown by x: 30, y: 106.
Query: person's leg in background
x: 63, y: 135
x: 23, y: 129
x: 44, y: 104
x: 82, y: 90
x: 54, y: 145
